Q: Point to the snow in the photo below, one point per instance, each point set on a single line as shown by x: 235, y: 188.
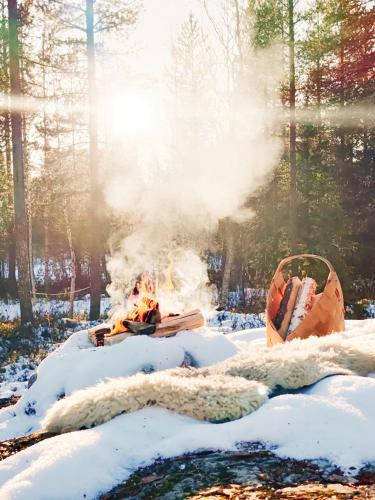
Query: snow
x: 15, y: 377
x: 77, y: 364
x: 226, y: 321
x: 10, y: 310
x: 334, y: 419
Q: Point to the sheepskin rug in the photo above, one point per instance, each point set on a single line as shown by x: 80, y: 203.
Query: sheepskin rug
x: 221, y: 392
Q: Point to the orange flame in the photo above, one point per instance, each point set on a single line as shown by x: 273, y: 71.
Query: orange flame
x: 145, y: 305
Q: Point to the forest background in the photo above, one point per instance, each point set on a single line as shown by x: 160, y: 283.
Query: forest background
x: 56, y: 57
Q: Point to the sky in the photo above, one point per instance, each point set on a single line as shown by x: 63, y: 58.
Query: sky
x: 138, y: 64
x: 158, y: 25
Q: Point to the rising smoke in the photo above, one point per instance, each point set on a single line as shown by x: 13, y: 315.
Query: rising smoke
x: 197, y: 160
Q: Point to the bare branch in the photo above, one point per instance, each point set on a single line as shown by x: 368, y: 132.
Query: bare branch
x: 64, y: 4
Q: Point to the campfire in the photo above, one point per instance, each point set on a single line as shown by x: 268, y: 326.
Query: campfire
x: 144, y: 317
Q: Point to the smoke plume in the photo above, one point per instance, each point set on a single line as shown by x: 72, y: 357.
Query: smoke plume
x: 201, y: 153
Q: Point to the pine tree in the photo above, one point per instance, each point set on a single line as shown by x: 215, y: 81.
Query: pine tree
x: 69, y: 37
x: 21, y: 223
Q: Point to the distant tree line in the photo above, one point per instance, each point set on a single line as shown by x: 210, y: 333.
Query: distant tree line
x: 321, y: 197
x: 328, y: 161
x: 53, y: 207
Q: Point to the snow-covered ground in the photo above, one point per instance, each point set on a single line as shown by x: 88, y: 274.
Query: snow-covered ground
x: 10, y: 310
x: 16, y: 376
x: 226, y: 321
x: 334, y: 419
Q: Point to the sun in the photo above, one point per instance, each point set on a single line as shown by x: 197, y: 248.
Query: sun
x: 126, y: 114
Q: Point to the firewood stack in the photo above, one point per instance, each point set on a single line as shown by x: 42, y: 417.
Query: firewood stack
x: 169, y: 326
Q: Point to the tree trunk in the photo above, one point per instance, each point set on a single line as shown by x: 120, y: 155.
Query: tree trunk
x: 11, y: 244
x: 28, y: 213
x: 239, y: 44
x: 341, y: 147
x: 31, y: 259
x: 21, y: 225
x: 27, y: 192
x: 46, y: 253
x: 12, y: 261
x: 8, y: 160
x: 229, y: 256
x: 292, y: 133
x: 319, y: 102
x: 95, y: 206
x: 72, y: 261
x: 47, y: 173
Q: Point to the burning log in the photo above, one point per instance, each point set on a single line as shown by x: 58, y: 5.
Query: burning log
x: 174, y: 324
x: 96, y: 334
x: 145, y: 317
x: 139, y: 319
x: 169, y: 326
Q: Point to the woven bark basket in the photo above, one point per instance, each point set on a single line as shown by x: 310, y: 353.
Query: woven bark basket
x: 325, y: 317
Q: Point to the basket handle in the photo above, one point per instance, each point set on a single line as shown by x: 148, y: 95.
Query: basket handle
x: 303, y: 256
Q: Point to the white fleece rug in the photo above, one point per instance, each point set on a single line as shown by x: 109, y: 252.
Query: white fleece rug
x: 222, y: 392
x: 76, y: 364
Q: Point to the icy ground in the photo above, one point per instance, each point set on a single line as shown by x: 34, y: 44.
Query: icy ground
x: 334, y: 419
